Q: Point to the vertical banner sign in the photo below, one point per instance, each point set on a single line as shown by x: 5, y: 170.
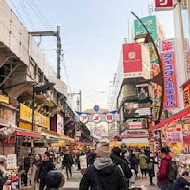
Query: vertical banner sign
x: 186, y: 95
x: 167, y: 49
x: 164, y: 5
x: 187, y: 58
x: 132, y: 60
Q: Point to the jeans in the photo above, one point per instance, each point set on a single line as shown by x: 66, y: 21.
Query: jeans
x: 166, y: 187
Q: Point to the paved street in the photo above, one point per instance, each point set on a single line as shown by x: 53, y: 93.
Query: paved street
x: 73, y: 184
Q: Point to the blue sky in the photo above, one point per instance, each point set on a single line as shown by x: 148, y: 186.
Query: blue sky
x: 92, y: 33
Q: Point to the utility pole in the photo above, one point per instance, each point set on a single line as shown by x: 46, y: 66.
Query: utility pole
x: 58, y: 53
x: 56, y: 34
x: 80, y: 98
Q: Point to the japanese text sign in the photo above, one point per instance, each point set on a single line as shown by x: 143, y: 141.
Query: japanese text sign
x: 162, y: 5
x: 39, y: 119
x: 186, y: 95
x: 167, y: 48
x: 150, y: 23
x: 132, y: 59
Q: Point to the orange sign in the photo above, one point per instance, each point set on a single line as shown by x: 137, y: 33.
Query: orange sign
x: 170, y: 84
x: 186, y: 96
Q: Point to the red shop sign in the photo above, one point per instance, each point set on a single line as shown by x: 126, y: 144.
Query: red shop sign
x: 164, y: 5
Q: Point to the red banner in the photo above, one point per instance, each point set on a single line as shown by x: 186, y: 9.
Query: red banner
x: 132, y: 59
x: 170, y: 83
x: 162, y: 5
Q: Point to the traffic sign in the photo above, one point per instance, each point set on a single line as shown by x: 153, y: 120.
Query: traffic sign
x: 96, y: 108
x: 109, y: 117
x: 84, y: 118
x: 96, y: 118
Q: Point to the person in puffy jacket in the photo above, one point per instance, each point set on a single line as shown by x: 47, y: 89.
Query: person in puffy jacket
x: 45, y: 167
x: 103, y: 174
x: 54, y: 180
x: 119, y: 161
x: 181, y: 182
x: 163, y: 169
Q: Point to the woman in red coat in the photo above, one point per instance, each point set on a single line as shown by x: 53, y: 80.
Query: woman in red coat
x: 163, y: 169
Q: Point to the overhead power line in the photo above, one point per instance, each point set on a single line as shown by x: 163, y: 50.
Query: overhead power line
x: 27, y: 14
x: 41, y: 14
x: 18, y: 14
x: 36, y: 12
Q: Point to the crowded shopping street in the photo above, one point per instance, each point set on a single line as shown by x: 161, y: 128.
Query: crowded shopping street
x: 95, y: 95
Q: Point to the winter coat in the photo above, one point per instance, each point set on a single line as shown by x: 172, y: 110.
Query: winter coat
x: 91, y: 158
x: 150, y: 166
x: 180, y: 183
x: 33, y: 175
x: 83, y: 161
x: 68, y: 159
x: 124, y: 165
x: 110, y: 177
x: 163, y: 169
x: 133, y: 161
x: 45, y: 167
x: 27, y: 163
x: 143, y: 161
x: 3, y: 178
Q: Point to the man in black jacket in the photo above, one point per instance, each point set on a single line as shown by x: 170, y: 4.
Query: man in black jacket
x: 46, y: 166
x: 116, y: 158
x: 103, y: 174
x: 68, y: 162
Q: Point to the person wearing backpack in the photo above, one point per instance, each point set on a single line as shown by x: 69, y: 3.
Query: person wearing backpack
x: 103, y: 174
x: 162, y: 175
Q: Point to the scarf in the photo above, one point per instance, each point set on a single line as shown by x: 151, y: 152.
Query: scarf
x: 101, y: 163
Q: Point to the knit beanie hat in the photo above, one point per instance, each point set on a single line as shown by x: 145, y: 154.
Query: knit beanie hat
x: 103, y: 149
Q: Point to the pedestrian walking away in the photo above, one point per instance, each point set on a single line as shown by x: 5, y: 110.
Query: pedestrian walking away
x: 46, y: 166
x: 33, y: 172
x: 67, y: 163
x: 27, y: 163
x: 143, y: 164
x: 119, y: 161
x: 103, y: 174
x: 150, y: 168
x: 83, y: 162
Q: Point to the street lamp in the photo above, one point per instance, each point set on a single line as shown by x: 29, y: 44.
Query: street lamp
x: 159, y: 78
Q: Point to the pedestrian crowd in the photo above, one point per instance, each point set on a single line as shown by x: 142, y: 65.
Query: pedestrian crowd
x: 101, y: 169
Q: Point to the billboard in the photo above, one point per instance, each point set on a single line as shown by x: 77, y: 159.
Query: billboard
x: 167, y: 49
x: 132, y: 60
x: 164, y: 5
x: 60, y: 125
x: 150, y: 23
x: 186, y: 95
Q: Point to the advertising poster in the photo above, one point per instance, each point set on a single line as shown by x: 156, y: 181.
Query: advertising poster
x: 130, y: 110
x: 132, y: 60
x: 60, y: 125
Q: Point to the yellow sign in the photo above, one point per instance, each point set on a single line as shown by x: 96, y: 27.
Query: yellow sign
x: 39, y: 119
x: 4, y: 99
x: 186, y: 97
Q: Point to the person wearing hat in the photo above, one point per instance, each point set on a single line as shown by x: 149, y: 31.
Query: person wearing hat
x: 103, y: 174
x: 55, y: 180
x: 3, y: 172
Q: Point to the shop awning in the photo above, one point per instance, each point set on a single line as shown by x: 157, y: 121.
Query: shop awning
x: 27, y: 134
x: 46, y: 132
x: 64, y: 137
x: 169, y: 120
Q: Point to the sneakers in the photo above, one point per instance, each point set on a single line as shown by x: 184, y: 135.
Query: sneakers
x: 152, y: 184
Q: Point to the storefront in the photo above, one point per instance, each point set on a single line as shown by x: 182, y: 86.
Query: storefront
x: 7, y: 126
